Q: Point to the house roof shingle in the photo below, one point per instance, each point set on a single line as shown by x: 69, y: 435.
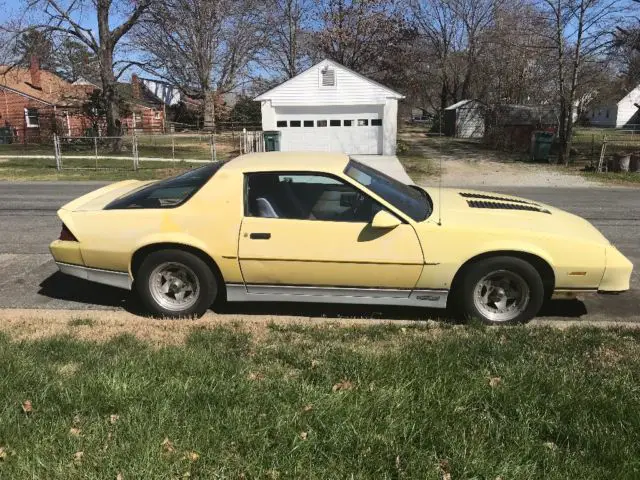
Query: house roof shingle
x: 54, y: 89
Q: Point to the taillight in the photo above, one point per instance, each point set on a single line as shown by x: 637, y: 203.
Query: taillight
x: 66, y: 235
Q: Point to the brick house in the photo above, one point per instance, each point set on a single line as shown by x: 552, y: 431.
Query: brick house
x: 35, y: 103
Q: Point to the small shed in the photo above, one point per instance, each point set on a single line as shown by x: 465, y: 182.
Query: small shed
x: 509, y: 127
x: 332, y: 108
x: 464, y: 119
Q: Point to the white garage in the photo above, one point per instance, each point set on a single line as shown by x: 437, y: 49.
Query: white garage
x: 331, y: 108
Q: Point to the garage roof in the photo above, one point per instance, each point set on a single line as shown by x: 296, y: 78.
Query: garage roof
x: 350, y: 88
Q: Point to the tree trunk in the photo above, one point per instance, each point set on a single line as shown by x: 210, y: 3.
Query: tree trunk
x: 577, y: 62
x: 109, y: 83
x: 110, y: 93
x: 209, y: 110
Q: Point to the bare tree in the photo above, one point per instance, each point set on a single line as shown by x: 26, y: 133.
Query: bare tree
x: 359, y: 34
x: 75, y: 18
x: 582, y: 29
x: 204, y: 47
x: 453, y: 32
x: 288, y: 23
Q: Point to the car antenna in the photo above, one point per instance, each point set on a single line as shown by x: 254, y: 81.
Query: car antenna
x: 440, y: 172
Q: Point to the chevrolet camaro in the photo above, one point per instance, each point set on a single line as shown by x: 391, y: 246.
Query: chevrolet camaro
x: 318, y: 227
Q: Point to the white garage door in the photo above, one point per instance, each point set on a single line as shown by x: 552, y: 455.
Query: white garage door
x: 345, y: 129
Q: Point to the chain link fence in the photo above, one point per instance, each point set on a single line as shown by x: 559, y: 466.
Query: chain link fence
x: 136, y: 152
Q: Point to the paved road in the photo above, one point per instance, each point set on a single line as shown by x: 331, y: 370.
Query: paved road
x: 28, y: 222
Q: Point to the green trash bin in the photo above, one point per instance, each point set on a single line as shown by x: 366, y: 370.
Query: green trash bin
x: 541, y: 146
x: 272, y: 141
x: 6, y: 135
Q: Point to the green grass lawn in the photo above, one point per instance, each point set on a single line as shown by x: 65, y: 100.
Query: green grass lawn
x: 88, y: 169
x: 325, y: 402
x: 615, y: 178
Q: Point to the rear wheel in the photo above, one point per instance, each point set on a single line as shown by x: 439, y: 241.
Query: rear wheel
x: 502, y: 290
x: 175, y: 284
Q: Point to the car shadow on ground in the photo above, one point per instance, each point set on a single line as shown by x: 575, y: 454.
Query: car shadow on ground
x: 70, y: 289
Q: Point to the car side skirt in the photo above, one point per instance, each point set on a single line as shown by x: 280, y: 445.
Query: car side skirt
x: 105, y: 277
x: 312, y: 294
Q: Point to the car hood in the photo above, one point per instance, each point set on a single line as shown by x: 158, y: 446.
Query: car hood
x: 479, y: 210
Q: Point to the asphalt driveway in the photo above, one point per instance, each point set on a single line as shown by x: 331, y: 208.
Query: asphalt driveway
x: 28, y: 222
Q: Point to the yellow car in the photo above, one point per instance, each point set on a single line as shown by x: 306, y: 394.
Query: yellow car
x: 318, y: 227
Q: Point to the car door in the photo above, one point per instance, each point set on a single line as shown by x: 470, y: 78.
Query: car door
x: 312, y: 232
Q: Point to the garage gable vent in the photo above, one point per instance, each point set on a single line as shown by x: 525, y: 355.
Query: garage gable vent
x: 328, y: 77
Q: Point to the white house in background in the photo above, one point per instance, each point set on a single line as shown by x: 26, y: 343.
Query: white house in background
x: 332, y: 108
x: 620, y: 112
x: 163, y: 91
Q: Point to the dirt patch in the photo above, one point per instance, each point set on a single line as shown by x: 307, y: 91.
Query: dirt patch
x: 102, y: 326
x: 27, y: 324
x: 468, y: 163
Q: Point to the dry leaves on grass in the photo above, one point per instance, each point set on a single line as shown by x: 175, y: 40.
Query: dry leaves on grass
x: 494, y: 381
x: 27, y: 408
x: 304, y: 435
x: 113, y: 418
x: 315, y: 363
x: 167, y: 446
x: 192, y: 456
x: 445, y: 469
x: 78, y: 456
x: 3, y: 453
x: 74, y: 432
x: 307, y: 408
x: 119, y: 476
x: 343, y: 385
x: 551, y: 446
x: 255, y: 377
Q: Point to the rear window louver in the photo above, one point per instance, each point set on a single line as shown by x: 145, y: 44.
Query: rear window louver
x: 493, y: 197
x: 505, y: 206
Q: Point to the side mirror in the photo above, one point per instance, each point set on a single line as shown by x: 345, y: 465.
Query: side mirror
x: 384, y: 219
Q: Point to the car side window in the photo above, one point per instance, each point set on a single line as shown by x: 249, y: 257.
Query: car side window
x: 307, y: 196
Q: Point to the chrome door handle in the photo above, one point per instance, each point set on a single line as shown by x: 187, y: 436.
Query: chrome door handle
x: 260, y: 236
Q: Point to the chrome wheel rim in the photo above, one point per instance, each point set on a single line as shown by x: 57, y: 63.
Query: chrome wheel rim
x: 501, y: 296
x: 174, y: 286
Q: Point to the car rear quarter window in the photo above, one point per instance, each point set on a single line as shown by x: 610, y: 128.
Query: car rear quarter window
x: 169, y: 193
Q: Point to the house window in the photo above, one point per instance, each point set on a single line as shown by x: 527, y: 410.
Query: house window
x: 321, y: 123
x: 137, y: 120
x: 607, y: 113
x: 327, y: 77
x: 32, y: 117
x: 308, y: 123
x: 363, y: 122
x: 157, y: 116
x: 281, y: 123
x: 295, y: 123
x: 376, y: 122
x: 347, y: 123
x: 334, y: 123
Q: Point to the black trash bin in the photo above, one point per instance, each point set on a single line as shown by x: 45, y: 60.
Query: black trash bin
x: 272, y: 141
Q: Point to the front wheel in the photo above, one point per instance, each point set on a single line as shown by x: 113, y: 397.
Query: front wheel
x: 175, y: 284
x: 502, y: 290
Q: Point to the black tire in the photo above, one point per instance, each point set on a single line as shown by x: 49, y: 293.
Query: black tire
x: 518, y: 270
x: 207, y: 286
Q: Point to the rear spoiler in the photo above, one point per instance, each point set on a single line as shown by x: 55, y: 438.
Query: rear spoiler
x: 97, y: 199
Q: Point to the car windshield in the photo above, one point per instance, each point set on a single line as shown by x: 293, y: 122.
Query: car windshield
x: 167, y: 193
x: 412, y: 201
